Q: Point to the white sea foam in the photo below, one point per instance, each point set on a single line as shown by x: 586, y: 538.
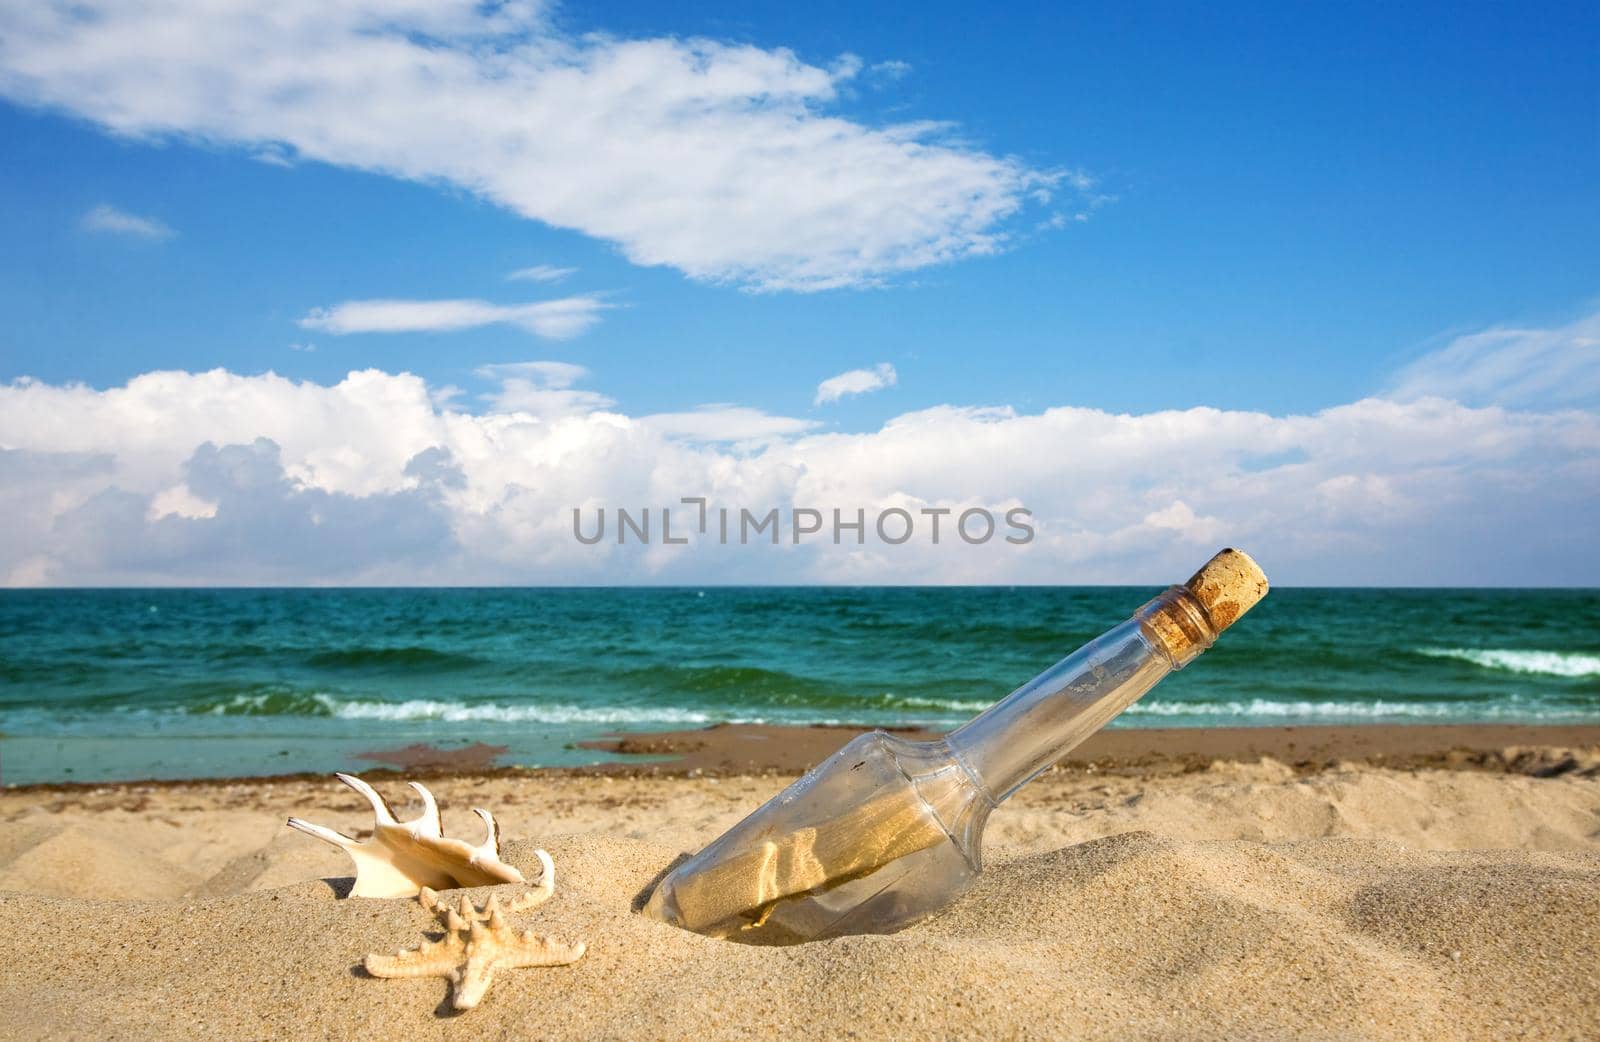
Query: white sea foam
x: 1543, y: 663
x: 1267, y: 708
x: 249, y: 705
x: 457, y: 712
x: 948, y: 704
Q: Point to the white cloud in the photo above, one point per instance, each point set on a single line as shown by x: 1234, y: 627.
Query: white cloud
x: 541, y: 273
x: 179, y: 501
x: 893, y: 69
x: 1509, y: 366
x: 723, y: 422
x: 109, y: 219
x: 541, y: 389
x: 549, y: 373
x: 1058, y: 221
x: 553, y: 319
x: 218, y: 477
x: 856, y: 381
x: 721, y: 160
x: 1179, y: 517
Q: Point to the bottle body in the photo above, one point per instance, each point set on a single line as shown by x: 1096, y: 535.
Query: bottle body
x: 887, y: 831
x: 880, y: 834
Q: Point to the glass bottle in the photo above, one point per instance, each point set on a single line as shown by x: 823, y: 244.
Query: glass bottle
x: 887, y: 831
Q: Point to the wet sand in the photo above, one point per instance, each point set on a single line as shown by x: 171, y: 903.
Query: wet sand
x: 758, y: 748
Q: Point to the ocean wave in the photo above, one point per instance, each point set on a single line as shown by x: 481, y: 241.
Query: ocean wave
x: 318, y: 704
x: 325, y: 705
x: 952, y: 705
x: 264, y: 703
x: 1268, y: 708
x: 458, y: 712
x: 1540, y: 663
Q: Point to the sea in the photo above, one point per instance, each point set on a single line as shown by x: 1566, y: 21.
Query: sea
x: 185, y: 683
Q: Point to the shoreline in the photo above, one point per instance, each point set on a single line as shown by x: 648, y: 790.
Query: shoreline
x: 737, y: 750
x: 758, y: 748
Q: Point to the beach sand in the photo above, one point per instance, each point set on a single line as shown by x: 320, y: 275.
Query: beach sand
x: 1354, y: 885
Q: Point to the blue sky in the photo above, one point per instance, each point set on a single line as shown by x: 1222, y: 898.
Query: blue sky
x: 1301, y: 201
x: 1262, y: 208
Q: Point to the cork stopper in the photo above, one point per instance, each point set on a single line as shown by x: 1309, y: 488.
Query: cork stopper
x: 1186, y: 619
x: 1227, y: 586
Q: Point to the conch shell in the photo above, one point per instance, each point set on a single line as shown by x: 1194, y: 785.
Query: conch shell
x: 402, y: 857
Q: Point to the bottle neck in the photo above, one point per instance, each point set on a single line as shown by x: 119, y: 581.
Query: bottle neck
x: 1177, y: 621
x: 1011, y: 742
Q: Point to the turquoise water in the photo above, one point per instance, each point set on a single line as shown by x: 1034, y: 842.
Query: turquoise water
x: 109, y: 684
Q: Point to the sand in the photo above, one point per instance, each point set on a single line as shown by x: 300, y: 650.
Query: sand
x: 1245, y: 898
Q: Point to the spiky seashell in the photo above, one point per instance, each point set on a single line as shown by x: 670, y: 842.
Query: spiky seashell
x: 402, y: 857
x: 478, y: 942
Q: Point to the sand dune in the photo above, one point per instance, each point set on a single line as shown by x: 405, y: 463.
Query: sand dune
x: 1244, y: 901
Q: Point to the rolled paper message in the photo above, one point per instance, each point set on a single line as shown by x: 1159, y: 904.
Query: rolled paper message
x: 864, y: 838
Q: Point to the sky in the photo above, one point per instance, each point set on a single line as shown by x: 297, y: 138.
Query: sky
x: 384, y: 294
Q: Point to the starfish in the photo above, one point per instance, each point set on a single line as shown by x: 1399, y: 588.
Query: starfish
x: 478, y: 942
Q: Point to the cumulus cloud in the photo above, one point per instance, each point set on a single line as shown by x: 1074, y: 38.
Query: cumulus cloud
x: 727, y: 162
x: 856, y: 381
x: 220, y: 477
x: 107, y: 218
x: 552, y: 319
x: 541, y: 273
x: 236, y: 517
